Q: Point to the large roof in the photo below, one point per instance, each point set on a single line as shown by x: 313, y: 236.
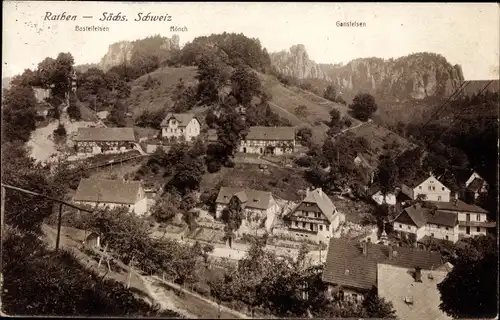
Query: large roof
x: 271, y: 133
x: 395, y: 284
x: 107, y: 191
x: 458, y: 205
x: 419, y: 216
x: 346, y: 265
x: 252, y: 198
x: 323, y: 202
x: 105, y: 134
x: 182, y: 118
x: 476, y: 185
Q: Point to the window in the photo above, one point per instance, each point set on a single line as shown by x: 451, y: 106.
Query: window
x: 432, y: 235
x: 320, y: 227
x: 311, y: 226
x: 478, y: 229
x: 420, y: 187
x: 442, y: 188
x: 467, y: 230
x: 430, y: 188
x: 433, y: 188
x: 409, y: 227
x: 354, y: 296
x: 438, y: 226
x: 400, y: 226
x: 478, y: 217
x: 296, y: 223
x: 303, y: 224
x: 439, y: 198
x: 447, y: 228
x: 446, y: 237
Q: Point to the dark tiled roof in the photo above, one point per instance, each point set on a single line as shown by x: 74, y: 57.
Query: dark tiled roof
x: 443, y: 218
x: 255, y: 198
x: 416, y: 181
x: 325, y: 204
x: 348, y: 255
x: 458, y: 206
x: 107, y: 191
x: 419, y: 216
x: 476, y: 185
x: 105, y: 134
x: 416, y: 214
x: 271, y: 133
x: 182, y: 118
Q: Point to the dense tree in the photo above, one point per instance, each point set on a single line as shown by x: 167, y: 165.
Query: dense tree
x: 211, y: 78
x: 304, y: 136
x: 363, y: 106
x: 470, y: 289
x: 376, y: 307
x: 387, y: 174
x: 28, y: 268
x: 335, y: 124
x: 330, y: 93
x: 184, y: 97
x: 18, y: 113
x: 118, y: 115
x: 73, y: 108
x: 22, y: 211
x: 245, y: 85
x: 230, y: 130
x: 166, y: 208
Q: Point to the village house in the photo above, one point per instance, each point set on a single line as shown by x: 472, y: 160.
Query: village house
x: 104, y: 140
x: 73, y: 236
x: 351, y: 266
x: 183, y: 126
x: 472, y: 219
x: 429, y: 187
x: 315, y: 218
x: 413, y: 292
x: 269, y: 140
x: 472, y: 185
x: 112, y: 194
x: 425, y: 223
x: 254, y: 204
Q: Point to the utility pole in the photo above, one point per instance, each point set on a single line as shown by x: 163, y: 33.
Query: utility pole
x: 3, y: 212
x: 59, y: 218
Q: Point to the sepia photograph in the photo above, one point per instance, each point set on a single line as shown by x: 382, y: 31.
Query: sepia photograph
x: 241, y: 160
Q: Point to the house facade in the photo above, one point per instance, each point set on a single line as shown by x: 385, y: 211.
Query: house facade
x: 423, y: 222
x: 269, y: 140
x: 255, y: 205
x: 315, y: 218
x: 183, y: 126
x: 429, y: 187
x: 112, y: 194
x: 90, y: 141
x: 472, y: 219
x: 351, y: 266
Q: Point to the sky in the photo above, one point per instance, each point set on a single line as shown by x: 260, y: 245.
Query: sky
x: 465, y: 34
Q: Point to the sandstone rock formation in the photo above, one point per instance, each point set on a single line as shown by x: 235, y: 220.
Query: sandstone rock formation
x: 122, y: 51
x: 415, y: 76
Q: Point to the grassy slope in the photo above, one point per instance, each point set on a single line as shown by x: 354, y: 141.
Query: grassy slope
x: 284, y: 102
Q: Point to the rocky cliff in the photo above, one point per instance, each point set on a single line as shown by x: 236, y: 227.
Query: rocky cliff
x: 415, y: 76
x: 122, y: 51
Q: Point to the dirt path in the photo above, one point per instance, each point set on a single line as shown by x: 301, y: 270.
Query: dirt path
x: 160, y: 296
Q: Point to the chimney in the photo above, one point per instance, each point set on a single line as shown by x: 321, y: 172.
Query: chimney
x: 320, y: 191
x: 418, y: 274
x: 364, y: 245
x: 307, y: 191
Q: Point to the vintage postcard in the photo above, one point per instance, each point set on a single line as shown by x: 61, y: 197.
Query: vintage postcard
x: 250, y: 160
